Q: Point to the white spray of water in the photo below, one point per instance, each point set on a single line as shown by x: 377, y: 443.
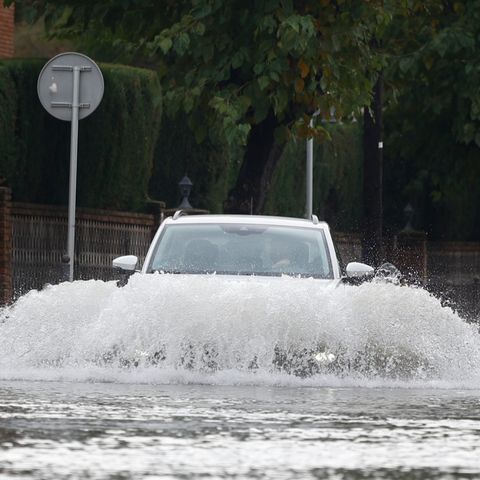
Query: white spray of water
x: 229, y: 330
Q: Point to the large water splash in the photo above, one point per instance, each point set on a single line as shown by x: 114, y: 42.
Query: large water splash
x: 226, y: 329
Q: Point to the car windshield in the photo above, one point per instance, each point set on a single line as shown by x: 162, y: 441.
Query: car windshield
x: 233, y: 249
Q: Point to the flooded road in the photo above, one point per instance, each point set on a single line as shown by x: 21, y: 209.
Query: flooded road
x: 56, y: 430
x: 218, y: 378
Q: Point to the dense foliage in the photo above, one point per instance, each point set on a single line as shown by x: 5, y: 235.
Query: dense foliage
x: 249, y: 72
x: 433, y: 129
x: 236, y: 60
x: 114, y: 163
x: 246, y: 76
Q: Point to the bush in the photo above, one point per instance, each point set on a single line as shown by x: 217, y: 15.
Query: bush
x: 116, y: 143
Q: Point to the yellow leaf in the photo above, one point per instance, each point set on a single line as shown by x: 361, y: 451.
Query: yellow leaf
x: 299, y: 85
x: 303, y: 131
x: 304, y: 68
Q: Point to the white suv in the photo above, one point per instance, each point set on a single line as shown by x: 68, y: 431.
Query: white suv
x: 244, y: 245
x: 273, y: 249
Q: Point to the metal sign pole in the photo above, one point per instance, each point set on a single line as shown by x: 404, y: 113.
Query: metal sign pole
x: 62, y: 95
x: 309, y: 177
x: 73, y: 172
x: 309, y: 172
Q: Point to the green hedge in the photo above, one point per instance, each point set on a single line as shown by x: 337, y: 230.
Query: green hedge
x: 338, y: 174
x: 211, y: 168
x: 116, y: 143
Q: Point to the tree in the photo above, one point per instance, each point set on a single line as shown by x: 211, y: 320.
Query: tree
x: 433, y: 127
x: 414, y: 19
x: 253, y: 70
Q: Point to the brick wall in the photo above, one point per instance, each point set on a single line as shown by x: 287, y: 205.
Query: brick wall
x: 7, y: 27
x: 6, y: 284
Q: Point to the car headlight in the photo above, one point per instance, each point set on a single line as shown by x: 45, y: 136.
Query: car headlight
x: 324, y: 358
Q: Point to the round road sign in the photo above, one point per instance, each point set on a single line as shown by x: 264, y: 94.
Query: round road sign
x: 55, y: 85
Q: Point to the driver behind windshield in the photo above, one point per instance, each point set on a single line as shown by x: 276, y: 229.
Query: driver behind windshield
x: 289, y: 255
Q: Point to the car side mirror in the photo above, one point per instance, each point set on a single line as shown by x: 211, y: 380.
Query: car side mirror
x: 359, y: 270
x: 127, y: 263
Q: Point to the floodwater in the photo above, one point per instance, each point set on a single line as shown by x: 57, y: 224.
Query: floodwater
x: 82, y: 430
x: 85, y: 393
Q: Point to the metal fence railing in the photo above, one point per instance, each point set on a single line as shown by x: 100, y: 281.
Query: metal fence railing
x: 39, y: 235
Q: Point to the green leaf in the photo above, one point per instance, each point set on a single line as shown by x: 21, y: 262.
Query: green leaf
x: 188, y: 103
x: 405, y: 64
x: 237, y: 59
x: 263, y: 82
x: 274, y: 76
x: 202, y: 10
x: 199, y: 28
x: 280, y: 101
x: 181, y: 44
x: 293, y: 23
x: 258, y: 68
x: 165, y: 44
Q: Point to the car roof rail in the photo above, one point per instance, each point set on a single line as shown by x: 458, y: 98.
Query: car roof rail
x: 314, y: 219
x: 179, y: 213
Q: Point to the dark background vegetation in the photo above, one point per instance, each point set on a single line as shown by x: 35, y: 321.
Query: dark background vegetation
x: 431, y: 146
x: 114, y: 164
x: 142, y: 158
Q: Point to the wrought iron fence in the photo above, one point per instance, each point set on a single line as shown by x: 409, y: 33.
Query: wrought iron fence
x: 39, y: 236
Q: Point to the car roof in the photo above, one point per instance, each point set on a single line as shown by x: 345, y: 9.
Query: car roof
x: 247, y: 219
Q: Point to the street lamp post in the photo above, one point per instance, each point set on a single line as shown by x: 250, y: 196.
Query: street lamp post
x: 185, y: 185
